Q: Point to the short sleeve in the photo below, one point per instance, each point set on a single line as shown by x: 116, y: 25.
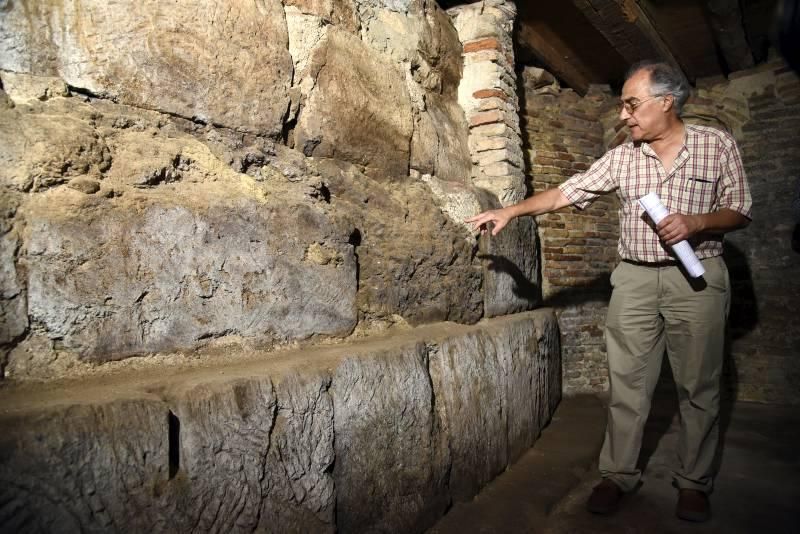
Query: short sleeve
x: 733, y: 191
x: 582, y: 189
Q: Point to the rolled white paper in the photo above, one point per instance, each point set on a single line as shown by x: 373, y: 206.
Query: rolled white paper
x: 656, y: 210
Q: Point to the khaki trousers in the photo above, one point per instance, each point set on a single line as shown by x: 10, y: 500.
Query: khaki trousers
x: 653, y: 309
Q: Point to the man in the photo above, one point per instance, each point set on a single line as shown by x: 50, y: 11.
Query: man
x: 697, y: 172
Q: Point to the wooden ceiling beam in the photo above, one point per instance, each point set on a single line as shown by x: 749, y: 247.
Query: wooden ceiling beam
x: 628, y: 29
x: 540, y: 41
x: 725, y: 17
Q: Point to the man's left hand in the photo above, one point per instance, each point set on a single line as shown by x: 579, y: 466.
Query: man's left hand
x: 677, y: 227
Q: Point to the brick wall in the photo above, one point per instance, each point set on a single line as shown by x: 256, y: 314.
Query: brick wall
x: 761, y: 107
x: 564, y: 134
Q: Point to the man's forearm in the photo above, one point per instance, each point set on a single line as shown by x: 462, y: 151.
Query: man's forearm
x: 720, y: 222
x: 544, y: 202
x: 540, y: 203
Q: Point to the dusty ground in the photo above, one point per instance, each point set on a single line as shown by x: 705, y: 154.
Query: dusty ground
x: 757, y: 490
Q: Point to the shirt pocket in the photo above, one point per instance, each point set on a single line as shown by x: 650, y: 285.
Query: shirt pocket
x: 696, y: 194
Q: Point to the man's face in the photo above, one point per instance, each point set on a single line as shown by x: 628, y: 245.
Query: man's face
x: 643, y: 112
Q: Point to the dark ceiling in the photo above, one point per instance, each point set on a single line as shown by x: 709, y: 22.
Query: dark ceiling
x: 583, y: 42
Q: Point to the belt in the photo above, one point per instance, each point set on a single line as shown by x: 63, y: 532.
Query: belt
x: 665, y: 263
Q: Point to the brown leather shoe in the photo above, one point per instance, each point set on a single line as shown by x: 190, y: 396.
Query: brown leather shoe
x: 605, y: 498
x: 693, y: 506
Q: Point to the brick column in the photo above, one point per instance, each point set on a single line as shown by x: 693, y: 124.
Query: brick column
x: 487, y: 93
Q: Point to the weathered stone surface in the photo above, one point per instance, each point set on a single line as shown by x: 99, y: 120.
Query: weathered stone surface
x: 175, y: 247
x: 13, y: 304
x: 415, y: 45
x: 87, y: 468
x: 511, y: 276
x: 45, y: 149
x: 256, y: 456
x: 299, y: 484
x: 470, y: 397
x: 421, y: 37
x: 222, y: 432
x: 391, y: 459
x: 439, y: 146
x: 339, y: 12
x: 358, y: 110
x: 255, y: 444
x: 533, y: 385
x: 228, y: 66
x: 25, y: 87
x: 457, y: 201
x: 159, y: 275
x: 413, y: 261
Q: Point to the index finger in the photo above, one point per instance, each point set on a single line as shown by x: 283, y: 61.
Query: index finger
x: 482, y: 215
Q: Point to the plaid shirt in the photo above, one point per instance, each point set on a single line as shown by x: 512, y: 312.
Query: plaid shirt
x: 707, y: 175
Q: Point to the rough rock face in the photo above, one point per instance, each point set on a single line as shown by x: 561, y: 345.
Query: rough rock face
x: 152, y: 241
x: 305, y: 180
x: 353, y: 85
x: 123, y: 281
x: 394, y: 85
x: 385, y: 424
x: 386, y: 432
x: 225, y: 64
x: 511, y: 269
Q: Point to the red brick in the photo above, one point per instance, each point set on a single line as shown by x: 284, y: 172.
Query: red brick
x: 486, y: 117
x: 490, y: 93
x: 489, y: 43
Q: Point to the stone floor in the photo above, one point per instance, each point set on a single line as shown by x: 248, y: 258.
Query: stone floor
x: 757, y: 490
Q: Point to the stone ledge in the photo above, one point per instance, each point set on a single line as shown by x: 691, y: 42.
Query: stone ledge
x: 374, y: 436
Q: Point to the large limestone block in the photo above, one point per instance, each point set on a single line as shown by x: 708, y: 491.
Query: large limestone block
x: 112, y: 277
x: 471, y: 399
x: 101, y: 466
x: 256, y: 457
x: 299, y: 486
x: 225, y: 64
x: 528, y: 362
x: 413, y: 261
x: 419, y: 40
x: 375, y: 436
x: 511, y: 269
x: 493, y: 395
x: 391, y: 458
x: 549, y: 375
x: 421, y: 37
x: 439, y: 145
x: 223, y: 433
x: 358, y: 109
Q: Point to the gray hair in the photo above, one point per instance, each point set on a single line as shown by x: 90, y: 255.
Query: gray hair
x: 664, y: 80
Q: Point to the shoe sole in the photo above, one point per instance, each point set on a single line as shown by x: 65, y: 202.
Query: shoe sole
x: 694, y: 518
x: 599, y: 510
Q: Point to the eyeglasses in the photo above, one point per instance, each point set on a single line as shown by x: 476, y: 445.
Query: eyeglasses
x: 630, y: 107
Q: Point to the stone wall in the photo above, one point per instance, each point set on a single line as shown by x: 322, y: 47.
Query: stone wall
x: 307, y: 181
x: 564, y: 135
x: 379, y: 436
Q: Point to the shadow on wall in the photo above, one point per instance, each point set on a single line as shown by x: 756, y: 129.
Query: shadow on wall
x: 524, y: 288
x: 743, y: 318
x: 596, y: 289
